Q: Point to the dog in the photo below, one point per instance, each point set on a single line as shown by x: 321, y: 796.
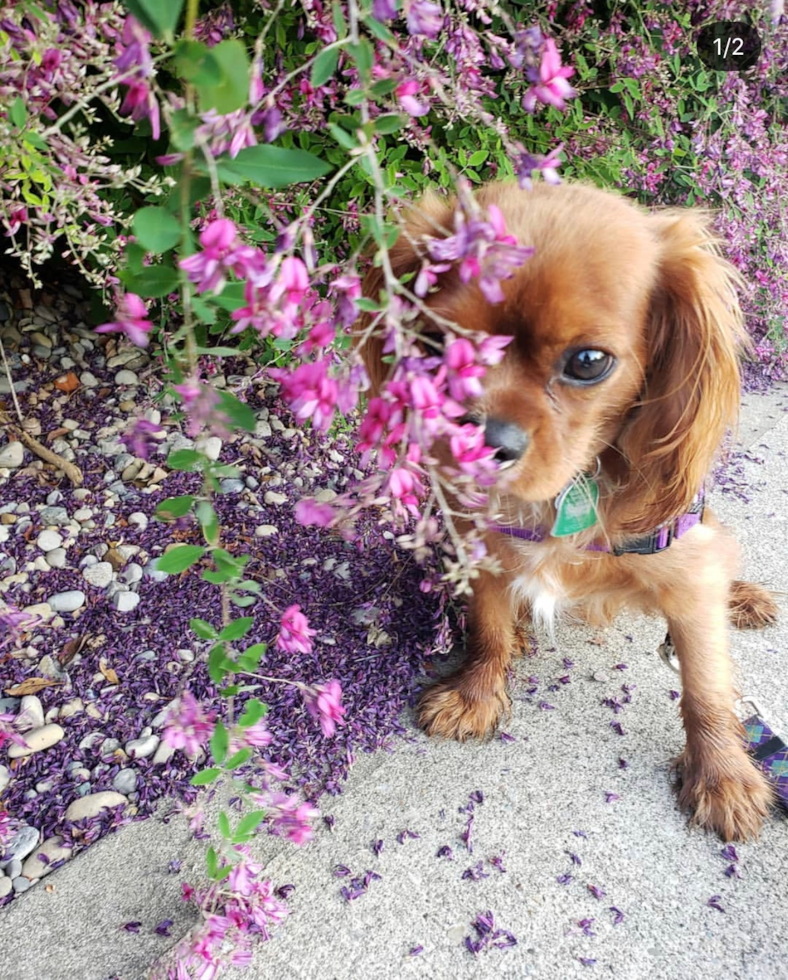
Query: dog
x: 623, y: 373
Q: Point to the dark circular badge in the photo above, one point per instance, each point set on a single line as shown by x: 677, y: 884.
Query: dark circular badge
x: 729, y: 45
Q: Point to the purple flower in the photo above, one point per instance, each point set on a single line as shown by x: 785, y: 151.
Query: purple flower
x: 384, y: 9
x: 546, y: 706
x: 424, y: 18
x: 714, y: 903
x: 377, y: 847
x: 552, y: 88
x: 474, y: 874
x: 595, y: 891
x: 729, y: 853
x: 131, y: 926
x: 623, y: 764
x: 616, y: 726
x: 586, y: 960
x: 580, y: 833
x: 611, y: 797
x: 497, y: 862
x: 506, y: 737
x: 324, y: 703
x: 341, y: 871
x: 618, y: 915
x: 564, y: 879
x: 416, y: 951
x: 732, y: 871
x: 621, y: 667
x: 476, y: 796
x: 585, y: 925
x: 445, y: 852
x: 163, y: 928
x: 142, y: 438
x: 674, y: 695
x: 575, y: 858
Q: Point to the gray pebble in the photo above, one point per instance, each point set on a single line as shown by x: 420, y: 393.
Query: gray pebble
x: 232, y: 486
x: 12, y: 455
x: 14, y: 868
x: 6, y: 886
x: 126, y: 378
x: 99, y: 575
x: 274, y: 498
x: 67, y: 601
x: 55, y: 515
x: 125, y: 601
x: 21, y: 885
x: 138, y: 518
x: 131, y: 573
x: 56, y: 558
x: 5, y: 777
x: 125, y: 781
x: 141, y: 748
x: 21, y: 844
x: 31, y: 713
x: 49, y: 540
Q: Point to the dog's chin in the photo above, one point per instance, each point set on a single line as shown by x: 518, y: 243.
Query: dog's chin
x: 528, y: 483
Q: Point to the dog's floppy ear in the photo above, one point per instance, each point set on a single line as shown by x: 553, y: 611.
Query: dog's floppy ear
x: 691, y: 391
x: 431, y: 216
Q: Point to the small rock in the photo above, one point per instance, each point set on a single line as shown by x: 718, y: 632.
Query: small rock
x: 125, y: 781
x: 601, y: 675
x: 67, y: 601
x: 212, y: 447
x: 108, y: 746
x: 5, y: 777
x: 21, y: 884
x: 131, y: 573
x: 6, y: 886
x: 49, y: 540
x: 21, y: 844
x: 274, y: 498
x: 53, y: 849
x: 326, y: 495
x: 163, y: 754
x: 50, y: 668
x: 231, y: 485
x: 93, y: 804
x: 265, y: 530
x: 99, y: 575
x: 73, y: 707
x: 262, y: 429
x: 138, y: 518
x: 141, y: 748
x: 36, y: 741
x: 83, y: 514
x: 56, y: 558
x: 31, y: 713
x: 14, y: 868
x: 12, y: 455
x: 126, y: 378
x: 125, y: 601
x: 54, y: 515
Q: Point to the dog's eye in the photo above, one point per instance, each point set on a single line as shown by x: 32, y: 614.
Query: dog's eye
x: 588, y: 366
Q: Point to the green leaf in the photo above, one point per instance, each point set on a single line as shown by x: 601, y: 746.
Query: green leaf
x: 187, y: 460
x: 345, y: 139
x: 324, y: 67
x: 18, y: 113
x: 340, y: 24
x: 233, y: 91
x: 389, y: 123
x: 35, y: 140
x: 224, y: 826
x: 220, y: 741
x: 204, y: 777
x: 216, y: 578
x: 153, y: 281
x: 195, y: 62
x: 174, y: 507
x: 211, y: 861
x: 238, y: 412
x: 238, y: 759
x: 160, y: 17
x: 254, y: 710
x: 384, y: 87
x: 205, y: 314
x: 379, y: 30
x: 478, y: 158
x: 203, y: 629
x: 363, y: 54
x: 156, y: 229
x: 355, y: 96
x: 236, y: 629
x: 274, y: 166
x: 208, y: 521
x: 182, y: 127
x: 248, y: 824
x: 180, y: 558
x: 250, y: 658
x: 242, y: 602
x: 231, y: 297
x: 218, y: 664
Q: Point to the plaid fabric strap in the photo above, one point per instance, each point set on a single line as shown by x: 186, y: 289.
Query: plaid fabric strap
x: 771, y: 754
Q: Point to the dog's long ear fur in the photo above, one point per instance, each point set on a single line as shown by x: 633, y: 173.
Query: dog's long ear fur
x: 692, y: 383
x: 430, y: 216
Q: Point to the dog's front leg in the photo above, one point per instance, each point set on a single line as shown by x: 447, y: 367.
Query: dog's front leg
x: 471, y: 701
x: 719, y: 784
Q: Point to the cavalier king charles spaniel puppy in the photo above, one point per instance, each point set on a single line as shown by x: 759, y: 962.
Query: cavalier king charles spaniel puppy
x: 618, y: 388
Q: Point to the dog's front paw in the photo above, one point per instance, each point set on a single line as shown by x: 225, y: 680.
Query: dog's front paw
x: 732, y: 800
x: 453, y: 709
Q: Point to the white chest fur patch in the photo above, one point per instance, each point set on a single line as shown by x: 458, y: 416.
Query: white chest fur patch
x: 545, y: 596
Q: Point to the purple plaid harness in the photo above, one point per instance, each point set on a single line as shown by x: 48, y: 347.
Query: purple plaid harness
x: 652, y: 544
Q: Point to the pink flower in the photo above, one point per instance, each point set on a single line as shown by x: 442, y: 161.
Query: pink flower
x: 188, y: 726
x: 290, y: 817
x: 209, y: 267
x: 256, y: 735
x: 293, y: 279
x: 464, y: 373
x: 131, y: 314
x: 310, y: 392
x: 200, y: 403
x: 405, y: 93
x: 553, y: 89
x: 309, y: 511
x: 142, y: 438
x: 295, y: 635
x: 324, y: 703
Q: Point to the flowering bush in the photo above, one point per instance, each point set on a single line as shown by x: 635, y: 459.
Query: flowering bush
x: 244, y: 169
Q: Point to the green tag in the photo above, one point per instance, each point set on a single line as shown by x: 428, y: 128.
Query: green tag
x: 575, y: 507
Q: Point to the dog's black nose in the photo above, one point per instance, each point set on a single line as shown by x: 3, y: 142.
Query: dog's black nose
x: 508, y: 439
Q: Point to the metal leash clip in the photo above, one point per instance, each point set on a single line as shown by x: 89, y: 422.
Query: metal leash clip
x: 768, y: 749
x: 667, y: 654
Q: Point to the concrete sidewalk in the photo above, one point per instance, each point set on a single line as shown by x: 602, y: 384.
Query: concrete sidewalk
x: 538, y: 790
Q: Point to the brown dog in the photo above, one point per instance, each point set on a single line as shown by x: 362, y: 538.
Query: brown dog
x: 624, y: 368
